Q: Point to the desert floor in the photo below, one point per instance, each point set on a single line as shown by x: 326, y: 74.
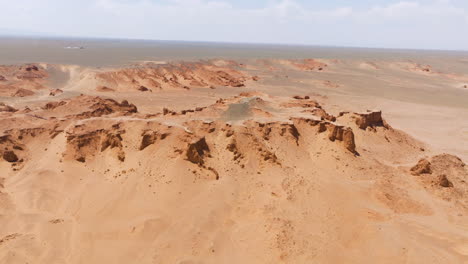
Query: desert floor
x: 235, y: 161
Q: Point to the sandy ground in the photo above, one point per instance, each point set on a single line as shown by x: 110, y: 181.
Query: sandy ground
x: 250, y: 161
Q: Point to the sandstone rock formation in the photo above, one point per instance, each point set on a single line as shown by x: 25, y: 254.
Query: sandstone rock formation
x: 310, y: 65
x: 341, y: 133
x: 171, y: 76
x: 55, y: 92
x: 197, y: 150
x: 10, y: 156
x: 370, y: 119
x: 423, y: 167
x: 150, y: 137
x: 445, y: 176
x: 22, y: 93
x: 104, y: 89
x: 443, y: 181
x: 7, y: 108
x: 22, y: 80
x: 273, y: 179
x: 84, y: 145
x: 108, y: 106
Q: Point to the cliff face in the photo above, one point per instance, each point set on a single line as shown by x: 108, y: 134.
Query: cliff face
x: 272, y: 176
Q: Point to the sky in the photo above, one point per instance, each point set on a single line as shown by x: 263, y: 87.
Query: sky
x: 418, y: 24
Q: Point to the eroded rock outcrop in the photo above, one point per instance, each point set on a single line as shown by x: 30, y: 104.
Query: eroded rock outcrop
x: 344, y: 134
x: 370, y: 119
x: 322, y: 114
x: 423, y: 167
x: 150, y: 137
x: 197, y: 150
x: 85, y: 145
x: 22, y: 80
x: 7, y: 108
x: 10, y: 156
x: 12, y: 147
x: 108, y: 106
x: 445, y: 176
x: 301, y: 103
x: 53, y: 105
x: 184, y: 75
x: 443, y: 181
x: 55, y: 92
x: 104, y: 89
x: 310, y: 65
x: 21, y: 92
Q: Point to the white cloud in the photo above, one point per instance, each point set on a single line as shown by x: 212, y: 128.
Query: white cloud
x: 413, y: 24
x: 416, y: 9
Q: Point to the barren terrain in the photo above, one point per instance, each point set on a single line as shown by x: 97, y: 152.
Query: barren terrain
x: 234, y: 161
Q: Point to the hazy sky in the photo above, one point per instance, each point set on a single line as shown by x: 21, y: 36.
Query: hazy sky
x: 433, y: 24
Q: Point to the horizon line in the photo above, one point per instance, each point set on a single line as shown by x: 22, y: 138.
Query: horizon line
x: 64, y: 37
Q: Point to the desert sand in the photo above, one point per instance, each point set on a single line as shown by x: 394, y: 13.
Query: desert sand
x: 234, y: 161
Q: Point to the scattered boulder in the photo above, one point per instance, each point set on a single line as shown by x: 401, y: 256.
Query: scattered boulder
x: 423, y: 167
x: 2, y: 78
x: 143, y: 89
x: 10, y: 156
x: 232, y: 147
x: 444, y: 182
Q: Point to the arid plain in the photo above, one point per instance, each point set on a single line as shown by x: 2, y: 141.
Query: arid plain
x: 355, y: 159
